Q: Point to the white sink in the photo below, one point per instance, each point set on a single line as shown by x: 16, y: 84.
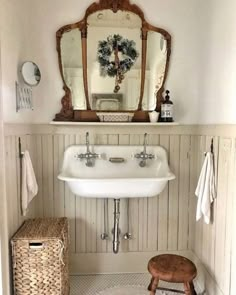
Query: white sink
x: 116, y: 180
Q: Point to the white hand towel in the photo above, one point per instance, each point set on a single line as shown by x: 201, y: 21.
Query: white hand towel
x: 29, y: 187
x: 205, y: 190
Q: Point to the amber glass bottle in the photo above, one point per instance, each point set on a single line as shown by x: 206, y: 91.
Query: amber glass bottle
x: 167, y: 109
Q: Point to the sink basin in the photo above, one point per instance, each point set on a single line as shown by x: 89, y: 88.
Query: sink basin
x: 116, y: 180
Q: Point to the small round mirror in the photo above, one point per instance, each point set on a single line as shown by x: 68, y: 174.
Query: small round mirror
x: 30, y: 73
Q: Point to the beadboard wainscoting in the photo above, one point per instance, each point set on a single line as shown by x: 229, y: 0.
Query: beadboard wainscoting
x: 214, y: 244
x: 163, y: 223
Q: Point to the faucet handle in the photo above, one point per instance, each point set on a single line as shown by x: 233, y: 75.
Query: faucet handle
x: 151, y: 156
x: 133, y: 156
x: 102, y: 156
x: 78, y: 156
x: 98, y: 156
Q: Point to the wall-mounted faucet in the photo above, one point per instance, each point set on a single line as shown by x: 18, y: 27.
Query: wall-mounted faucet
x: 88, y: 156
x: 143, y: 156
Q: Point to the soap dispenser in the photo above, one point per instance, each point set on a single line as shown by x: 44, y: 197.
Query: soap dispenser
x: 167, y: 109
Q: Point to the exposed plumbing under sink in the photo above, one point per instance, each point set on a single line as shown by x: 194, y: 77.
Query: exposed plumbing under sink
x: 117, y: 174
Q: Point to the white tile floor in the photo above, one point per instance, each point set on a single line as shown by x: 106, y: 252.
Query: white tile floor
x: 92, y: 284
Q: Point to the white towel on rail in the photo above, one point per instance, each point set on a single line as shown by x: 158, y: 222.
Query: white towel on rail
x: 205, y: 190
x: 29, y: 186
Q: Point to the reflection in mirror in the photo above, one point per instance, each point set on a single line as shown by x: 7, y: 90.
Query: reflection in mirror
x: 107, y: 101
x: 72, y: 67
x: 114, y: 60
x: 155, y: 68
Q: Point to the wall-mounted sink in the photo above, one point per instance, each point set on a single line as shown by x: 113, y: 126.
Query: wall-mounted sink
x: 115, y: 171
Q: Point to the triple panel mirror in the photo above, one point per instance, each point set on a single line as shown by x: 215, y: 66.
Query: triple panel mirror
x: 112, y: 61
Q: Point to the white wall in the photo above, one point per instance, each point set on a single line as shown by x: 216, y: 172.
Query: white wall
x: 31, y: 35
x: 14, y: 32
x: 4, y: 253
x: 203, y: 61
x: 218, y: 61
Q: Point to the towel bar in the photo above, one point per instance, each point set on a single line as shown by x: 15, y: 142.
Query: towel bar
x: 212, y: 146
x: 21, y: 154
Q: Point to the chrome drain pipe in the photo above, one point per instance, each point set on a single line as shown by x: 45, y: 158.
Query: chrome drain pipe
x: 104, y: 235
x: 116, y: 230
x: 127, y: 236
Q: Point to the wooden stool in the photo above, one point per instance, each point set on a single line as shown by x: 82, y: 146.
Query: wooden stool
x: 174, y: 269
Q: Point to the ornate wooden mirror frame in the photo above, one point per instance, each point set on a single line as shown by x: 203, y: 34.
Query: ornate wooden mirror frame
x: 67, y: 112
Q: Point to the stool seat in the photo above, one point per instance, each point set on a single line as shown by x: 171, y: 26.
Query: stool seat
x: 172, y: 268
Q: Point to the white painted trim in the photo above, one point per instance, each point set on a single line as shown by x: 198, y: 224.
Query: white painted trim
x: 17, y: 129
x: 217, y: 130
x: 102, y: 263
x: 4, y: 252
x: 153, y: 128
x: 102, y: 124
x: 1, y: 177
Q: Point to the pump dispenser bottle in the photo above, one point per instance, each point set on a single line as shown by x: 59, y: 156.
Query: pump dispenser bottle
x: 167, y: 109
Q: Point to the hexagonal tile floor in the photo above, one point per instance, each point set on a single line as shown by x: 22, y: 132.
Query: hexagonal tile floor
x: 112, y: 284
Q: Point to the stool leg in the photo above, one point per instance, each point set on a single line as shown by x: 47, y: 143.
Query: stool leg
x: 193, y: 292
x: 150, y: 285
x: 153, y: 286
x: 187, y: 289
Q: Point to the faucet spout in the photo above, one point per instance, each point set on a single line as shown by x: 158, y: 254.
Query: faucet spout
x: 88, y: 156
x: 145, y: 143
x: 87, y: 141
x: 144, y: 156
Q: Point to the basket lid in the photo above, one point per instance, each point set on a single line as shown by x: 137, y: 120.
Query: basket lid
x: 41, y: 228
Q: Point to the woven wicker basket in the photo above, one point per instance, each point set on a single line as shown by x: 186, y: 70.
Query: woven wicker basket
x: 40, y: 257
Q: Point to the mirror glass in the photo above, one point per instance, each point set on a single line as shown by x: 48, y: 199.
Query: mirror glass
x: 155, y: 68
x: 30, y: 73
x: 71, y: 57
x: 114, y: 58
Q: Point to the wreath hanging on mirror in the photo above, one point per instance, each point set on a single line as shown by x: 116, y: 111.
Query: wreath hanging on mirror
x: 124, y: 57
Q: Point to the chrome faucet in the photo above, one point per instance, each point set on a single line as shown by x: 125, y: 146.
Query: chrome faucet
x: 88, y: 156
x: 143, y: 156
